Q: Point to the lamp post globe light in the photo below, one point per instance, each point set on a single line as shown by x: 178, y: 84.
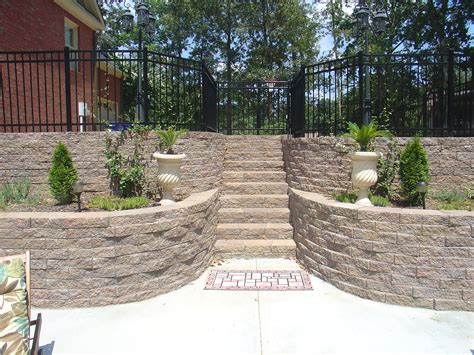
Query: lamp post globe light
x: 145, y: 22
x: 363, y: 21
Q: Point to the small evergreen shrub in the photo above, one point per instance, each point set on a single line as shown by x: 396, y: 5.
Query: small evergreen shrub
x: 62, y: 175
x: 414, y: 168
x: 114, y: 203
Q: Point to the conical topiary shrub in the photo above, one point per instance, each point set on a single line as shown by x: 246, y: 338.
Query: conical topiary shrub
x: 414, y: 168
x: 62, y: 175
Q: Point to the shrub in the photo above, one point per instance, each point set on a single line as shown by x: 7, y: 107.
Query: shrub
x: 16, y: 192
x: 114, y: 203
x: 365, y: 134
x: 378, y: 200
x: 455, y: 200
x: 169, y: 137
x: 127, y: 171
x: 62, y: 175
x: 414, y: 168
x: 387, y: 168
x: 347, y: 197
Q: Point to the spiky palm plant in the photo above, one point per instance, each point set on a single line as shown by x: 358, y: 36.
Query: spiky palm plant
x: 365, y: 134
x: 169, y: 137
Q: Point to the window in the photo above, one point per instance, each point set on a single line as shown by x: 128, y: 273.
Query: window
x: 71, y: 40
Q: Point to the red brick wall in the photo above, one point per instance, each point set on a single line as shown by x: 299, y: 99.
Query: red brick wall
x: 37, y: 25
x: 33, y: 93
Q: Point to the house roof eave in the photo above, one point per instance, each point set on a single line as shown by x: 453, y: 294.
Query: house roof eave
x: 90, y: 16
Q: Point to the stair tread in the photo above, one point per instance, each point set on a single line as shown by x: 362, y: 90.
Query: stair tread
x: 230, y: 196
x: 274, y: 225
x: 255, y: 183
x: 254, y: 209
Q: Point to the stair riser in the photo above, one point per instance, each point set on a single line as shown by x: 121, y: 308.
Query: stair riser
x: 255, y: 176
x: 289, y: 254
x: 236, y: 233
x: 257, y: 189
x: 253, y: 157
x: 255, y: 217
x: 254, y: 165
x: 252, y: 201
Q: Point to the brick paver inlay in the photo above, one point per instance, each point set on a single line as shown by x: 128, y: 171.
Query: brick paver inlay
x: 259, y: 280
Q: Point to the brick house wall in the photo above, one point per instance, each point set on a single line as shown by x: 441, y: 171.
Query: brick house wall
x: 32, y: 85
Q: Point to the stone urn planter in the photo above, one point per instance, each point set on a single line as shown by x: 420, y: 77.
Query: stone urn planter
x: 169, y: 166
x: 364, y: 174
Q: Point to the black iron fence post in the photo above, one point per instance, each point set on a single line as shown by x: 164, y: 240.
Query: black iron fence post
x: 67, y: 86
x: 145, y: 85
x: 450, y: 104
x: 209, y: 100
x: 297, y: 109
x: 360, y: 63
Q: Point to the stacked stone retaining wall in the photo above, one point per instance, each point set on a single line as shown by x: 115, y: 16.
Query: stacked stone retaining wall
x: 28, y: 156
x: 102, y: 258
x: 409, y: 257
x: 321, y: 164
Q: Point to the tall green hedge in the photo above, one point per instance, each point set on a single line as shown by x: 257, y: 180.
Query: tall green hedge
x: 62, y: 175
x: 414, y: 167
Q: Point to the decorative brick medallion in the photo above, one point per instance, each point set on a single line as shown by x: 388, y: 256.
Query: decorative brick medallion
x: 259, y: 280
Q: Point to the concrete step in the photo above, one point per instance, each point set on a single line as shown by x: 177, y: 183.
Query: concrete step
x: 254, y: 176
x: 254, y: 215
x: 249, y: 201
x: 254, y: 188
x: 253, y: 165
x: 254, y: 231
x: 251, y: 248
x: 237, y: 155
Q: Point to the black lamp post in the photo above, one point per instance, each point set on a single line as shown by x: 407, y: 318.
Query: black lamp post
x: 363, y: 21
x: 145, y: 22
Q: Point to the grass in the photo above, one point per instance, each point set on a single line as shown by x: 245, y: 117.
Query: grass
x: 455, y: 200
x: 114, y: 203
x: 17, y: 192
x: 351, y: 197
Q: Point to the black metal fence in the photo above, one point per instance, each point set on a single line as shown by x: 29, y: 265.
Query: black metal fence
x: 426, y: 94
x: 68, y: 90
x: 48, y: 91
x: 260, y: 107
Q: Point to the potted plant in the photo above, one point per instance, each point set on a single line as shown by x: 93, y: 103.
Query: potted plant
x: 364, y: 162
x: 169, y: 163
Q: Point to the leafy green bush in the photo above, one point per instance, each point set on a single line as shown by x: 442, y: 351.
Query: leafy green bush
x: 16, y: 192
x: 169, y: 137
x: 414, y: 168
x: 127, y: 171
x: 365, y: 134
x: 62, y: 175
x: 378, y: 200
x: 347, y: 197
x: 114, y: 203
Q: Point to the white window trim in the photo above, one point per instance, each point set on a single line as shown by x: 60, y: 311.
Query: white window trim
x: 75, y: 27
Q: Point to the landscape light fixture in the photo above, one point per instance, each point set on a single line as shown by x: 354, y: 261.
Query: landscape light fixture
x: 422, y: 189
x: 77, y: 189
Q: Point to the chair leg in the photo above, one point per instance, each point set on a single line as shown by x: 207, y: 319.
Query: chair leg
x: 35, y: 344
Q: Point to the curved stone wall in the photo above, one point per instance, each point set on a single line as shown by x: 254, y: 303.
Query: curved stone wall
x: 409, y: 257
x: 101, y: 258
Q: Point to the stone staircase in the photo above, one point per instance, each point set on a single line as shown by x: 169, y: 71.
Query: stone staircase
x: 254, y: 215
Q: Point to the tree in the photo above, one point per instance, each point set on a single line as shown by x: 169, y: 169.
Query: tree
x: 62, y: 175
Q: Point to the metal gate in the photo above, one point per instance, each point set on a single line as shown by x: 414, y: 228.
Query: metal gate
x: 254, y: 107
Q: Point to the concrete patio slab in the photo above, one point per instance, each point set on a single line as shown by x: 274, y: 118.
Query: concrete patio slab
x: 192, y: 320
